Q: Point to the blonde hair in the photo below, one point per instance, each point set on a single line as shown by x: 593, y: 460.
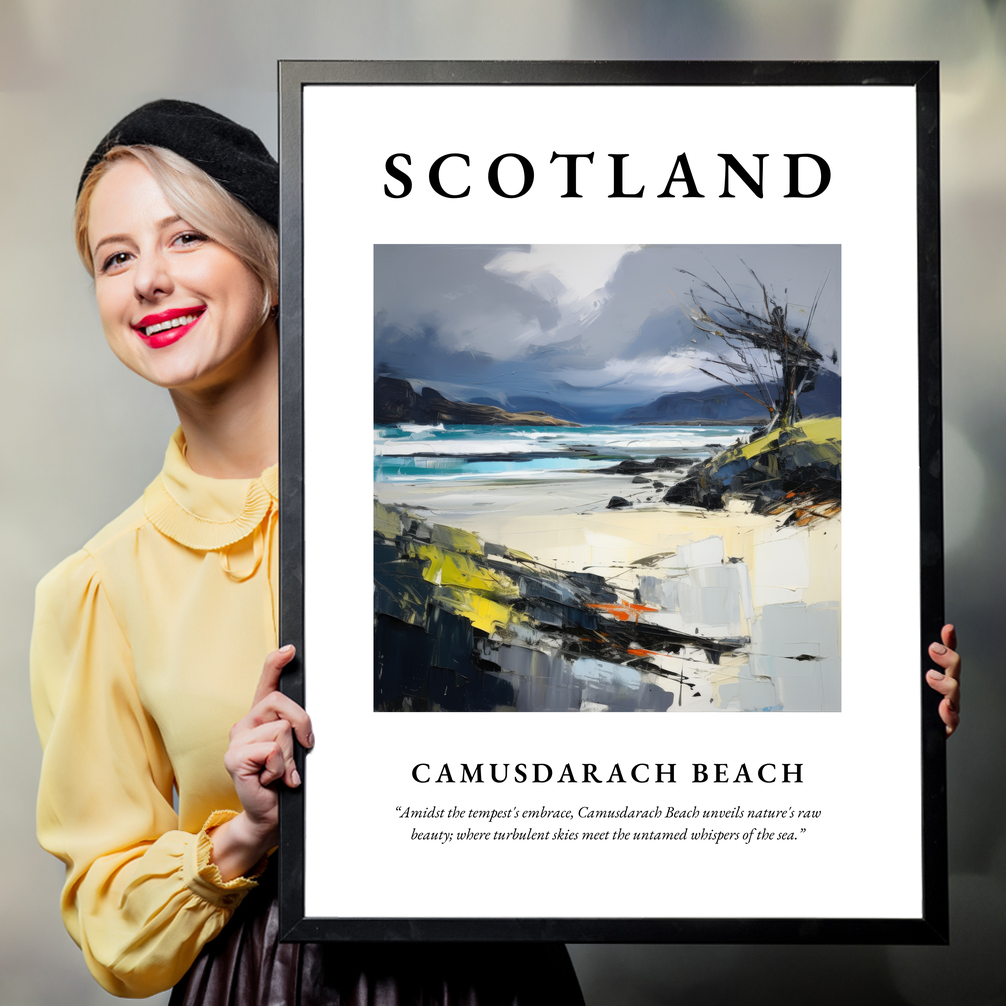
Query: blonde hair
x: 199, y: 200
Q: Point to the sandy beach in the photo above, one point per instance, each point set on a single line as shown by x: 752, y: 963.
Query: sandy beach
x: 728, y: 575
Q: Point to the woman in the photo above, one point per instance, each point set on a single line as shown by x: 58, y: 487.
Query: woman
x: 148, y: 643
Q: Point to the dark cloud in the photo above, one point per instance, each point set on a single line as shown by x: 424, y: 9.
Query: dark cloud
x: 591, y: 326
x: 450, y: 287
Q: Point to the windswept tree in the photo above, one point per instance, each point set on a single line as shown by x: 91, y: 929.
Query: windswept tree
x: 763, y: 347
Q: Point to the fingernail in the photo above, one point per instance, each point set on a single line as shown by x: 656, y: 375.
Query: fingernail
x: 310, y: 740
x: 295, y: 777
x: 936, y: 676
x: 938, y: 648
x: 287, y: 649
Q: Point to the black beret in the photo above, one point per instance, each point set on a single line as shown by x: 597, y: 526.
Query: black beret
x: 231, y: 154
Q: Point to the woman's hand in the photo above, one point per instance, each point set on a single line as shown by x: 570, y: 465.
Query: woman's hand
x: 260, y: 753
x: 947, y: 682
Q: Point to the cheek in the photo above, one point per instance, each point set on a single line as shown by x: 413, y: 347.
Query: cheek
x: 246, y: 300
x: 113, y: 313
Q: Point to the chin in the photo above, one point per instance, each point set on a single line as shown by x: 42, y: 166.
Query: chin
x: 173, y: 374
x: 195, y: 365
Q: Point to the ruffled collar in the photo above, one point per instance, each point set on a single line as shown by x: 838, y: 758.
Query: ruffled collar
x: 203, y: 513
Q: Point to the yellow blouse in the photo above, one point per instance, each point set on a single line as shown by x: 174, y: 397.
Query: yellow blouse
x: 147, y: 647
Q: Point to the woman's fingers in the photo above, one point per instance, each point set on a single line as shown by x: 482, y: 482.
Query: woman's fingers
x: 261, y: 749
x: 260, y: 761
x: 947, y: 680
x: 277, y: 735
x: 947, y: 658
x: 948, y: 710
x: 949, y: 636
x: 945, y: 655
x: 277, y: 706
x: 949, y: 688
x: 270, y: 703
x: 274, y: 766
x: 271, y: 671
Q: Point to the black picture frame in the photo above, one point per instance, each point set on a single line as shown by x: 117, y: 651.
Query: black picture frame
x: 931, y: 926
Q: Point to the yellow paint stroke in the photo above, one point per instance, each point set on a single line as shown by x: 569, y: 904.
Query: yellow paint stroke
x: 483, y: 612
x: 517, y: 554
x: 387, y: 523
x: 464, y: 586
x: 822, y: 439
x: 456, y: 540
x: 454, y: 570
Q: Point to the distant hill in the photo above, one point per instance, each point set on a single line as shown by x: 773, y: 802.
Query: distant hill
x: 396, y: 402
x: 532, y: 403
x: 724, y: 402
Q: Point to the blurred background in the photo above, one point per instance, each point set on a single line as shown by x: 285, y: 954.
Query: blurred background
x: 83, y: 437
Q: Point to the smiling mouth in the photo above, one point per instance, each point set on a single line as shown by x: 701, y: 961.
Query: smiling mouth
x: 166, y: 322
x: 185, y: 319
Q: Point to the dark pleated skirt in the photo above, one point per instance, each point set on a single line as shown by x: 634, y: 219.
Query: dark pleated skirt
x: 246, y: 965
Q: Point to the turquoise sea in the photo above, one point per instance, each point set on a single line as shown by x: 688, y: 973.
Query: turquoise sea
x: 428, y: 454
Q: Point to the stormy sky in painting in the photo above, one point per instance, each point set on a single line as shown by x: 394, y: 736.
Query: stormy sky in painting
x: 586, y: 327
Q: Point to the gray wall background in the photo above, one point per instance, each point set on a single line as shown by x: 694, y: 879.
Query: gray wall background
x: 82, y: 436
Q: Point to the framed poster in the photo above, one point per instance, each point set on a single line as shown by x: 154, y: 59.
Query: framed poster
x: 571, y: 356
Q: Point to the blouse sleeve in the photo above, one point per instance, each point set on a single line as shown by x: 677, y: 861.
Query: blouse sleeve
x: 141, y: 898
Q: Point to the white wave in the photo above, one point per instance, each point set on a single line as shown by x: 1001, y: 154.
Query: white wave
x: 640, y: 443
x: 461, y: 446
x: 422, y: 432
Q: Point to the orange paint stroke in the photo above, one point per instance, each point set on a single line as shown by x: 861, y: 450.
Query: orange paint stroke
x: 643, y: 653
x: 623, y: 611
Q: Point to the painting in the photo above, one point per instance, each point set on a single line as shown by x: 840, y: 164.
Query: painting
x: 612, y: 388
x: 607, y: 478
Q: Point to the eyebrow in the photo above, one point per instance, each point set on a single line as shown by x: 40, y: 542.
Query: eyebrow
x: 111, y: 238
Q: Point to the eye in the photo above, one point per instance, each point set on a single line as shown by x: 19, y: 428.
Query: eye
x: 115, y: 261
x: 189, y: 239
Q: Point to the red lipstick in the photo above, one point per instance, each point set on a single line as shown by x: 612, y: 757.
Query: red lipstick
x: 166, y: 327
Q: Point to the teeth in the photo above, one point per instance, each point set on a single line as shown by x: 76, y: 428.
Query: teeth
x: 174, y: 323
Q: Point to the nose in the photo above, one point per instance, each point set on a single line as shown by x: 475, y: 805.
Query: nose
x: 152, y: 276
